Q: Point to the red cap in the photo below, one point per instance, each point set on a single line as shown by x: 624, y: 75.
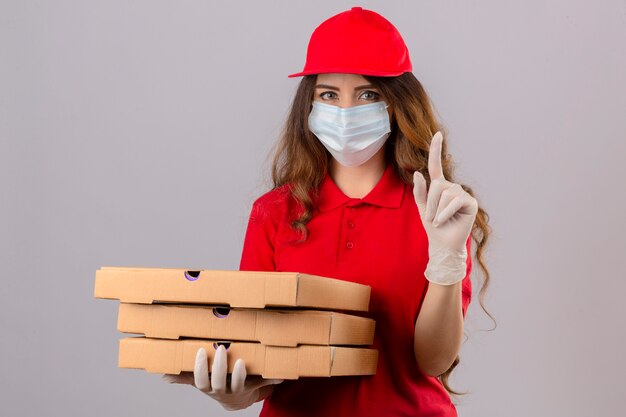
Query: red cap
x: 357, y: 41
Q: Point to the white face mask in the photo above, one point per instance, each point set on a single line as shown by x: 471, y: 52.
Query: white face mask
x: 352, y: 135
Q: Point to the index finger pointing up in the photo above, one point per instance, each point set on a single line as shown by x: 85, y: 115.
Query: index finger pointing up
x: 434, y: 157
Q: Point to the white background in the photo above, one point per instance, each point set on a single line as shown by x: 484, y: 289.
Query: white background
x: 137, y: 133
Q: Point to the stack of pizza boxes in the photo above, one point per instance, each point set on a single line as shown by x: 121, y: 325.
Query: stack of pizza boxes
x: 284, y: 325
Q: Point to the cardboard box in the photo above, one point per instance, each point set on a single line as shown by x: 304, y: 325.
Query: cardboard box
x: 175, y: 356
x: 249, y: 289
x: 269, y: 327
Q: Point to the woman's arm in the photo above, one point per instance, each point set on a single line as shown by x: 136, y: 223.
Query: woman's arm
x: 439, y: 325
x: 258, y: 253
x: 439, y: 328
x: 258, y: 246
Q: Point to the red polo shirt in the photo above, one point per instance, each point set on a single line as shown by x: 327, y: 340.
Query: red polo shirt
x: 377, y: 240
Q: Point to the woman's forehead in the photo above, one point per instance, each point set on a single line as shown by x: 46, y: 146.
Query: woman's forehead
x: 340, y: 78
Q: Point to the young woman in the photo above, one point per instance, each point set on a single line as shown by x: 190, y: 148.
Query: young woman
x: 363, y: 191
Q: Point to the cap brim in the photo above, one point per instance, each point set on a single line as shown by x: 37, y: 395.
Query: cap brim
x: 297, y: 74
x: 352, y: 71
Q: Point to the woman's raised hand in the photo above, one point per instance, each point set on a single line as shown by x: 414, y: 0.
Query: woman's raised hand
x: 240, y: 393
x: 448, y: 213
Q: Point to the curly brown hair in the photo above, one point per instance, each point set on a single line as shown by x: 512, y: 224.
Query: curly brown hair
x: 301, y: 161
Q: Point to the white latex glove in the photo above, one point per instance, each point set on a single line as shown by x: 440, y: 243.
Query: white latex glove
x: 239, y: 394
x: 448, y: 213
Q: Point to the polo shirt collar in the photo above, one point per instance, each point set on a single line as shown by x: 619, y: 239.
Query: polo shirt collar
x: 388, y: 192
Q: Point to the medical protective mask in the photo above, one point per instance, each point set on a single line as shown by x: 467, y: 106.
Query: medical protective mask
x: 353, y: 134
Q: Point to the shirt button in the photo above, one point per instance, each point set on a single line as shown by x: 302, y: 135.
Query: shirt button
x: 351, y: 225
x: 349, y: 245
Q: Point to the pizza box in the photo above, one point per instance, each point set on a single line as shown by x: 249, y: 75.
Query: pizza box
x: 175, y: 356
x: 267, y: 326
x: 250, y: 289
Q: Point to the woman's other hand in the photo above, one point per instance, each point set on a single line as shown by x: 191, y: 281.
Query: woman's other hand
x: 448, y: 213
x: 233, y: 392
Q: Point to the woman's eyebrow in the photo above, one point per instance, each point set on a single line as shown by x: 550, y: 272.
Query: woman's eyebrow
x: 330, y: 87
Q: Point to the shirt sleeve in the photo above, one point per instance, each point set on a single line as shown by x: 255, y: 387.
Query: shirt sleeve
x: 258, y: 246
x: 467, y: 283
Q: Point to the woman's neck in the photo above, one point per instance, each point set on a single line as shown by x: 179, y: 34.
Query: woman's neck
x: 357, y: 182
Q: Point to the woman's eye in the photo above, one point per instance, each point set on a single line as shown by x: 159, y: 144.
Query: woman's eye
x: 324, y: 96
x: 370, y: 95
x: 367, y: 95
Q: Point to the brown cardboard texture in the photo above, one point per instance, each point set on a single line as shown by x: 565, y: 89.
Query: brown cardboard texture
x: 251, y: 289
x: 175, y: 356
x: 269, y: 327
